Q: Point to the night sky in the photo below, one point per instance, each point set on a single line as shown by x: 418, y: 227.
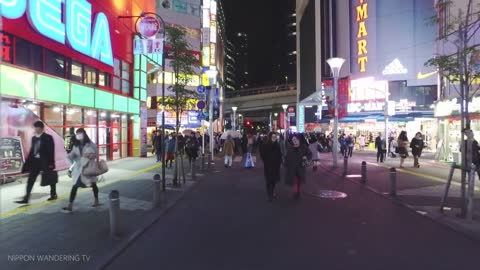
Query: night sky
x: 256, y: 18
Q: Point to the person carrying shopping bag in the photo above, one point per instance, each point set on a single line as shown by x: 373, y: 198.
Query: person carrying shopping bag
x: 296, y: 162
x: 85, y: 167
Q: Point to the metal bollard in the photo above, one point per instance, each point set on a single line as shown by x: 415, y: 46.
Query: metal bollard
x: 345, y: 165
x: 203, y: 162
x: 114, y: 197
x: 156, y: 190
x: 393, y: 182
x: 193, y: 169
x: 364, y: 172
x: 470, y: 192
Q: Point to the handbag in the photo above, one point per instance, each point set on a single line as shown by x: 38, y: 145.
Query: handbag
x: 95, y: 168
x: 49, y: 178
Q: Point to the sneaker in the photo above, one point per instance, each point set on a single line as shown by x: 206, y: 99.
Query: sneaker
x: 24, y: 201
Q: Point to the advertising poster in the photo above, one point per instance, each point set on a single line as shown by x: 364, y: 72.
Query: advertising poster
x: 143, y: 129
x: 11, y: 155
x: 17, y: 122
x: 343, y: 85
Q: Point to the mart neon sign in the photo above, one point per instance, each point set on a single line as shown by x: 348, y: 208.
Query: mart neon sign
x: 73, y: 25
x: 362, y: 52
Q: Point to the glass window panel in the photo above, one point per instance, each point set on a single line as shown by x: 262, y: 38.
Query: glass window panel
x: 90, y: 76
x: 116, y: 67
x: 116, y: 83
x: 125, y: 87
x: 28, y: 55
x: 90, y: 118
x: 92, y: 134
x: 54, y: 64
x: 76, y: 71
x: 104, y: 79
x: 53, y: 117
x: 74, y: 117
x: 125, y: 70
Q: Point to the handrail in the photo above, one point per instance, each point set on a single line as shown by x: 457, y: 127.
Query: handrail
x: 260, y: 90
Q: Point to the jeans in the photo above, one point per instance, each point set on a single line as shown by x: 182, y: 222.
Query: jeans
x: 415, y: 161
x: 159, y: 155
x: 270, y: 189
x: 78, y: 184
x: 228, y: 160
x: 350, y: 151
x: 380, y: 155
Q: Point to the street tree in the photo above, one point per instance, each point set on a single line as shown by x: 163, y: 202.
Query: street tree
x: 458, y: 64
x: 185, y: 66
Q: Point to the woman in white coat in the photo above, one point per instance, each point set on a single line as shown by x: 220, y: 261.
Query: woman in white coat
x: 83, y: 152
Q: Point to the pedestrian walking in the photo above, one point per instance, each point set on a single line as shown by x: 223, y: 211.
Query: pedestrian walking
x: 417, y: 146
x: 350, y: 143
x: 381, y: 146
x: 402, y: 143
x: 170, y: 149
x: 192, y: 146
x: 41, y: 158
x: 343, y: 145
x: 157, y: 145
x: 271, y: 155
x: 315, y: 148
x: 392, y: 147
x: 84, y: 152
x: 361, y: 142
x: 228, y: 151
x: 296, y: 163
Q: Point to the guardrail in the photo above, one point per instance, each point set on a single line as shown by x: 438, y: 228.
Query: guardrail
x: 260, y: 90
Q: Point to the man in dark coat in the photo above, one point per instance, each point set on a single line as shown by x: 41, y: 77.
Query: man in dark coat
x: 41, y: 158
x: 381, y: 146
x: 417, y: 146
x: 271, y: 155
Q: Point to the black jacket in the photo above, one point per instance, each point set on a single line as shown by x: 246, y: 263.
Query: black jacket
x: 417, y: 146
x: 271, y: 155
x: 46, y: 151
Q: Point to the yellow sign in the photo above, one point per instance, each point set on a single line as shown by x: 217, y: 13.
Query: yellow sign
x: 362, y: 52
x: 193, y: 80
x: 422, y: 76
x: 205, y: 80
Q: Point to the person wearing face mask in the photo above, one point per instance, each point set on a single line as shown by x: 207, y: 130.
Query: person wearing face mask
x: 170, y: 149
x: 41, y: 158
x: 295, y: 162
x: 417, y: 146
x: 84, y: 151
x: 271, y: 155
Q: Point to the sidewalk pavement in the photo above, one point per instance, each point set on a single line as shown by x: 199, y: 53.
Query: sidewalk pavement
x: 81, y: 240
x: 227, y: 223
x: 420, y: 189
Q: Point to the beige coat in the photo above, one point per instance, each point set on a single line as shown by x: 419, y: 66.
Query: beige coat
x: 79, y: 161
x: 229, y: 148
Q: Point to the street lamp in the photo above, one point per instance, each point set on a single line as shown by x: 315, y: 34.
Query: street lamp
x: 234, y: 118
x: 335, y: 65
x: 212, y: 75
x: 285, y: 106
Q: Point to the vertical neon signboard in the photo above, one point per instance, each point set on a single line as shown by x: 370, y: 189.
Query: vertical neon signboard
x: 74, y: 28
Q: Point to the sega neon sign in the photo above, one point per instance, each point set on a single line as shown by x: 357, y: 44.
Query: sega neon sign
x: 73, y: 26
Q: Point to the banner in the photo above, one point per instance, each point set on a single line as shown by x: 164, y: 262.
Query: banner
x: 148, y: 46
x: 343, y: 86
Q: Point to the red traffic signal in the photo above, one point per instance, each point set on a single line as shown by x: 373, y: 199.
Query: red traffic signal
x: 248, y: 123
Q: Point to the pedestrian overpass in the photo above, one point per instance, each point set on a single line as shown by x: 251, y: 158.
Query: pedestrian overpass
x: 260, y: 101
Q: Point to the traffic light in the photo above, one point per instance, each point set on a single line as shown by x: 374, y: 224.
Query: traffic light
x: 248, y: 123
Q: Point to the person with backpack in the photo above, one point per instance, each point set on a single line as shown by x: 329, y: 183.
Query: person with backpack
x: 417, y: 146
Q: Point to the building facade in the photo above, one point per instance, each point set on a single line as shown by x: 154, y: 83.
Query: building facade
x: 240, y: 41
x: 70, y: 79
x: 384, y: 73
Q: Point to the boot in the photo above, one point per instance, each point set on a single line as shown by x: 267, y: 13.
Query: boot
x: 96, y: 203
x: 24, y: 200
x: 68, y: 208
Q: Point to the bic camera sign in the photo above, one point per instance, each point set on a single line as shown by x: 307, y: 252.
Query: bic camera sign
x: 73, y: 26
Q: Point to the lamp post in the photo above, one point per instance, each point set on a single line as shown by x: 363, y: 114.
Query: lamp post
x: 212, y: 75
x: 335, y: 65
x: 234, y: 126
x: 285, y: 106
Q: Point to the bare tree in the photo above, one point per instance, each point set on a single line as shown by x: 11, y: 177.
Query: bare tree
x: 457, y: 68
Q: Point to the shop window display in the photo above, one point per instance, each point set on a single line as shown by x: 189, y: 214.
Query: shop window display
x: 76, y: 70
x: 53, y: 117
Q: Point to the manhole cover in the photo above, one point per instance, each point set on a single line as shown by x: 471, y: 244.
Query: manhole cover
x: 328, y: 194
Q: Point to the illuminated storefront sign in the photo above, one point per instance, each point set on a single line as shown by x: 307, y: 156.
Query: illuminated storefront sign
x: 213, y: 55
x: 206, y: 56
x: 365, y: 107
x: 6, y: 42
x: 362, y: 52
x: 451, y: 107
x: 73, y: 25
x: 395, y: 67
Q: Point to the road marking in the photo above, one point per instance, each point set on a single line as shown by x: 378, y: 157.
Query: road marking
x: 433, y: 178
x: 23, y: 209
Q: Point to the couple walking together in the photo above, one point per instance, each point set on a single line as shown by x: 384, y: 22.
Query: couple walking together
x: 294, y: 160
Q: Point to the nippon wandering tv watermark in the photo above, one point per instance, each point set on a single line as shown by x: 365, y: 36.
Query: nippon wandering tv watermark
x: 49, y: 258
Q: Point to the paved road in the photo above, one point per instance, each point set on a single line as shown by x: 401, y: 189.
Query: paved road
x: 225, y: 223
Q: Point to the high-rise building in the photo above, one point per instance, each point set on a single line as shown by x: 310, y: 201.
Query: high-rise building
x: 230, y: 67
x: 284, y: 43
x: 240, y: 41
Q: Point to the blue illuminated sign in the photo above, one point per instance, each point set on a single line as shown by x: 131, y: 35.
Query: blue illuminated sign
x: 74, y: 29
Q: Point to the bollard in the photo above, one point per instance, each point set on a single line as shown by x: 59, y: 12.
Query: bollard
x: 193, y: 169
x: 156, y: 191
x: 364, y: 172
x: 203, y: 162
x: 393, y: 182
x: 345, y: 165
x: 470, y: 192
x: 114, y: 197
